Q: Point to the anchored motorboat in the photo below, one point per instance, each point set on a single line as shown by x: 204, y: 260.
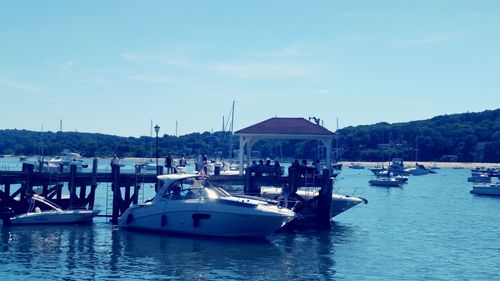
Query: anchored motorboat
x: 340, y: 203
x: 479, y: 178
x: 54, y: 214
x: 386, y: 181
x: 356, y: 166
x: 486, y: 189
x: 418, y: 170
x: 63, y: 162
x: 187, y: 203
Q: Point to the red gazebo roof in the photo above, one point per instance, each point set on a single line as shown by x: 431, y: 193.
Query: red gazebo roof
x: 286, y: 126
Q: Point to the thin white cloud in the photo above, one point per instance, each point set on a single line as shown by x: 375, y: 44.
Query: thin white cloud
x: 64, y: 69
x: 432, y: 39
x: 259, y: 70
x: 179, y: 62
x: 21, y: 87
x: 254, y: 68
x: 152, y: 78
x: 287, y: 52
x: 324, y: 91
x: 67, y: 65
x: 134, y: 57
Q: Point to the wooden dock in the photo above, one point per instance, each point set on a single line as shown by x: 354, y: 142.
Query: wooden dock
x: 81, y: 186
x: 125, y: 188
x: 314, y: 212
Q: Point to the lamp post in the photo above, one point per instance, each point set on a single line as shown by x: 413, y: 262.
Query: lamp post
x: 157, y: 129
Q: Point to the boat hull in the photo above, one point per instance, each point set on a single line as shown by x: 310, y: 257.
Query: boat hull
x: 340, y: 203
x: 385, y: 183
x: 486, y: 190
x: 52, y: 217
x: 205, y: 219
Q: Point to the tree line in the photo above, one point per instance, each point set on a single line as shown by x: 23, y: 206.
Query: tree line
x: 467, y: 137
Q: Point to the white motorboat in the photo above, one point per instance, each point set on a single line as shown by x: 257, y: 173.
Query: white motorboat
x: 186, y: 203
x: 356, y: 166
x: 53, y: 216
x: 340, y: 203
x: 149, y: 165
x: 396, y: 167
x: 418, y: 170
x: 486, y: 189
x: 479, y: 178
x: 435, y: 167
x: 65, y: 160
x: 386, y: 181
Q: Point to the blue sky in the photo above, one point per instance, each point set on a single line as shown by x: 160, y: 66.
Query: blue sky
x: 112, y: 66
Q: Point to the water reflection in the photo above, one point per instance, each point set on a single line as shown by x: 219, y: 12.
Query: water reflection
x: 36, y: 251
x: 311, y: 254
x: 99, y: 251
x: 193, y: 257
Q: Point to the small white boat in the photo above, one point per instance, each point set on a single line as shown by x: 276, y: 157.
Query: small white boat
x: 435, y: 167
x: 486, y: 189
x: 64, y: 161
x: 386, y: 181
x: 356, y: 166
x: 418, y: 170
x: 186, y: 203
x: 53, y: 216
x: 479, y: 178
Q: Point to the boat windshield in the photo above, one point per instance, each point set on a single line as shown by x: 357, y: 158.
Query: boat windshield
x: 193, y: 188
x: 46, y: 202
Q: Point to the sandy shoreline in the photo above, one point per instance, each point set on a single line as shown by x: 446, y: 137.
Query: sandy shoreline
x: 428, y: 164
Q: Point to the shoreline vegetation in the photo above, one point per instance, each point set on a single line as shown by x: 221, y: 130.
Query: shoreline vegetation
x: 455, y: 138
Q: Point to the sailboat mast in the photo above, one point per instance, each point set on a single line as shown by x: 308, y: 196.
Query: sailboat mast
x: 416, y: 151
x: 337, y: 153
x: 151, y: 142
x: 231, y: 132
x: 232, y: 118
x: 41, y: 149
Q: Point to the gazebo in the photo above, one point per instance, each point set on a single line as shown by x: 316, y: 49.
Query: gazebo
x: 283, y: 128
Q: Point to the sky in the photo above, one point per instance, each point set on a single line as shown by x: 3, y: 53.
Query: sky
x: 113, y: 66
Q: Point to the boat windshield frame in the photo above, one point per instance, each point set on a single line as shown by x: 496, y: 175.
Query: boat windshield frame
x: 193, y: 188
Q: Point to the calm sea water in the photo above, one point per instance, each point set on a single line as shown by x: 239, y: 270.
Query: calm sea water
x: 431, y: 229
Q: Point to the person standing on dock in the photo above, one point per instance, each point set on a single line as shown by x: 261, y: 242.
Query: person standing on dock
x: 168, y: 164
x: 115, y: 161
x: 277, y: 168
x: 199, y: 163
x: 317, y: 167
x: 285, y: 193
x: 182, y: 161
x: 205, y: 163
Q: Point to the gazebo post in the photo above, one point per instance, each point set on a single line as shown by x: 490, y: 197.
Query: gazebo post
x: 241, y: 153
x: 328, y: 145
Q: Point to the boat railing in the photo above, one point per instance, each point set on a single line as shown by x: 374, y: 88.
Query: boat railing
x: 350, y: 190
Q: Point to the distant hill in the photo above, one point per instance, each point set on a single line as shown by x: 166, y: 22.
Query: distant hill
x: 467, y: 137
x: 24, y: 142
